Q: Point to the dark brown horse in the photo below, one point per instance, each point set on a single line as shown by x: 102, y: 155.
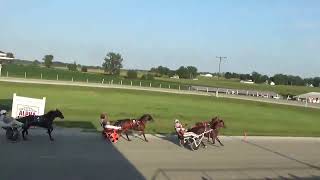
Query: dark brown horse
x: 134, y: 124
x: 215, y: 124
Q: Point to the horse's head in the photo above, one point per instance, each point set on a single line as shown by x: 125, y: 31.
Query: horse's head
x: 221, y: 124
x: 146, y: 117
x: 58, y: 113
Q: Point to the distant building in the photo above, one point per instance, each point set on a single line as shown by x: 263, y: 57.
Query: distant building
x: 247, y: 82
x: 175, y: 77
x: 311, y: 97
x: 4, y: 58
x: 206, y: 75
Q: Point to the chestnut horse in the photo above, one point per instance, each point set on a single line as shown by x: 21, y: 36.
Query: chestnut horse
x: 215, y: 124
x: 134, y: 124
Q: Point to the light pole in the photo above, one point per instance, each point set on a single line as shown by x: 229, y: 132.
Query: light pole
x: 220, y: 59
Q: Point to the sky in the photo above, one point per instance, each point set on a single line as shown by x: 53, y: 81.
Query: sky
x: 267, y: 36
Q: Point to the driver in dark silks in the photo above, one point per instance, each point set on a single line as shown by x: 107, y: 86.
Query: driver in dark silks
x: 6, y: 121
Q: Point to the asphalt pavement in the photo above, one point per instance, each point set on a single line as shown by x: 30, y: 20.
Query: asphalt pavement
x: 77, y: 155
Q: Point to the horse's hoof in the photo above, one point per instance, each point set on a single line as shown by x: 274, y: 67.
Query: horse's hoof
x: 51, y: 139
x: 221, y: 144
x: 147, y: 141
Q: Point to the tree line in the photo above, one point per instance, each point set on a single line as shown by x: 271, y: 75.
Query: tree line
x: 278, y: 79
x: 112, y: 64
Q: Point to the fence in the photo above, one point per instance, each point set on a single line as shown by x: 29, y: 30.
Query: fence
x: 95, y: 78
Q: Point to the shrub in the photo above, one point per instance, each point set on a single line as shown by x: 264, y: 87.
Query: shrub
x: 84, y: 69
x: 131, y: 74
x: 147, y: 77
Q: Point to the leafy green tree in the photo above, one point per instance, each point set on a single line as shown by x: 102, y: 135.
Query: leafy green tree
x: 48, y: 60
x: 112, y: 63
x: 10, y: 55
x: 72, y: 67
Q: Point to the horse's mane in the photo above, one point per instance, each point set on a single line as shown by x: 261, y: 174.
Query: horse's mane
x: 144, y: 116
x: 120, y: 121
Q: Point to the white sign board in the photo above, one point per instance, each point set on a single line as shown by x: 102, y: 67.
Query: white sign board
x: 24, y: 106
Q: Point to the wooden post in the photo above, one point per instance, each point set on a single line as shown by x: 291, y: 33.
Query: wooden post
x: 41, y: 75
x: 150, y: 84
x: 179, y: 88
x: 121, y: 82
x: 112, y: 81
x: 130, y: 83
x: 169, y: 86
x: 140, y: 83
x: 72, y: 79
x: 102, y: 80
x: 25, y: 75
x: 87, y: 80
x: 217, y: 92
x: 57, y: 77
x: 207, y: 90
x: 7, y: 74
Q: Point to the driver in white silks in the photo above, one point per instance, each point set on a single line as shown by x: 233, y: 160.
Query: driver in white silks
x: 105, y: 123
x: 7, y: 121
x: 179, y: 128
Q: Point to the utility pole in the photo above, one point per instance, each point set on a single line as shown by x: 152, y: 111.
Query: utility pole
x: 220, y: 59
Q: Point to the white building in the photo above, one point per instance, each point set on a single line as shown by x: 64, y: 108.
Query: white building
x: 207, y: 75
x: 311, y: 97
x: 4, y: 57
x: 247, y: 82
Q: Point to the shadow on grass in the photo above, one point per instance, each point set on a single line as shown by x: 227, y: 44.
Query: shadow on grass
x: 6, y: 104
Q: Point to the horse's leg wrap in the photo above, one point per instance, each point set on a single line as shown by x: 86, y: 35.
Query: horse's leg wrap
x: 219, y: 141
x: 144, y: 136
x: 127, y: 136
x: 49, y: 132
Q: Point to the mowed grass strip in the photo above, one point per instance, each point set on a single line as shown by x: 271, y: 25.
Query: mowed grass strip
x: 80, y: 104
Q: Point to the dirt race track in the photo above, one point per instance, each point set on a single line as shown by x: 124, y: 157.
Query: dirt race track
x: 76, y: 155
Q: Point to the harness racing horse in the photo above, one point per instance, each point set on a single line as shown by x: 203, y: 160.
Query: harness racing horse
x: 134, y: 124
x: 44, y: 121
x: 215, y: 124
x: 199, y: 129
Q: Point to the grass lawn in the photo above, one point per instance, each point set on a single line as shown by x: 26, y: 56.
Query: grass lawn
x: 81, y: 104
x: 97, y: 77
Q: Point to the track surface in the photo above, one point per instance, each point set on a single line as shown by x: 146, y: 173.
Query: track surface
x: 76, y: 155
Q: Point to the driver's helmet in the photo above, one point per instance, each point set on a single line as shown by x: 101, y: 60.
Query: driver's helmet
x: 177, y: 121
x: 3, y: 112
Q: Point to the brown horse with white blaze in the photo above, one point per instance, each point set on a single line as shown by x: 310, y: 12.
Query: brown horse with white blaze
x: 134, y: 125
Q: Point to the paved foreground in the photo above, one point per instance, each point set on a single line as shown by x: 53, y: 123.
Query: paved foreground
x: 77, y: 155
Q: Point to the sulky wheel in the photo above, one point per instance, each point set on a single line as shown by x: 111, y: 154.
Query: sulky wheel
x: 114, y: 137
x: 12, y: 134
x: 193, y: 144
